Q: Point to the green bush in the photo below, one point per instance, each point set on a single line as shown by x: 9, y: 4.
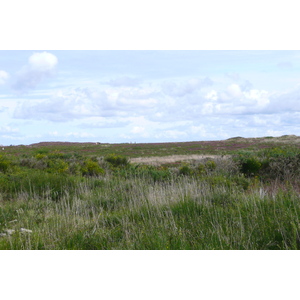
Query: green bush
x: 241, y: 181
x: 57, y: 166
x: 251, y: 166
x: 117, y: 160
x: 216, y: 181
x: 55, y: 154
x: 185, y: 170
x: 4, y: 164
x: 91, y: 168
x: 33, y: 162
x: 282, y: 167
x: 40, y: 156
x: 200, y: 169
x: 210, y: 165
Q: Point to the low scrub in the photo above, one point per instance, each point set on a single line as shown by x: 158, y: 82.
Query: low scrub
x: 117, y: 160
x: 72, y: 201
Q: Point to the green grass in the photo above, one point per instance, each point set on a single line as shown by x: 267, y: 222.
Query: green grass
x: 73, y: 200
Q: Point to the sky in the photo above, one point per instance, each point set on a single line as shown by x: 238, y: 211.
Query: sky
x: 115, y: 96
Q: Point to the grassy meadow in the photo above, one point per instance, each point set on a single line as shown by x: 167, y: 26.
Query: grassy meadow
x: 238, y: 194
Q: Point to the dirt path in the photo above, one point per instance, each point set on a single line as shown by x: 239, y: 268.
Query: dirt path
x: 158, y: 160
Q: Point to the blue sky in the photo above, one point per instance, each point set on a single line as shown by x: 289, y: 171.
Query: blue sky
x: 147, y: 96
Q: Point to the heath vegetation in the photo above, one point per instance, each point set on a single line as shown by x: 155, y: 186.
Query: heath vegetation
x: 233, y: 194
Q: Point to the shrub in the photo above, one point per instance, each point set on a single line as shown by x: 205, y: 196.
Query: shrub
x: 251, y: 166
x: 40, y: 156
x: 42, y: 151
x: 117, y: 160
x: 56, y: 154
x: 57, y: 166
x: 33, y: 163
x: 185, y: 170
x: 200, y: 170
x: 4, y: 164
x: 74, y: 168
x: 210, y: 165
x: 282, y: 167
x: 91, y: 168
x: 215, y: 181
x: 241, y: 182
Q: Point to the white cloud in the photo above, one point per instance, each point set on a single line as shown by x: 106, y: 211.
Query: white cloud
x: 208, y: 108
x: 147, y: 113
x: 71, y: 134
x: 3, y: 77
x: 42, y: 61
x: 285, y: 102
x: 40, y: 65
x: 66, y: 105
x: 53, y: 133
x: 171, y: 134
x: 8, y: 129
x: 188, y: 87
x: 275, y: 132
x: 198, y: 130
x: 102, y: 122
x: 138, y: 130
x: 61, y: 107
x: 260, y: 98
x: 234, y: 91
x: 233, y: 100
x: 80, y: 135
x: 212, y: 95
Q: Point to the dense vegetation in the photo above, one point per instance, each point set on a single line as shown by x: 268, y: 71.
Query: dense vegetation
x: 63, y: 197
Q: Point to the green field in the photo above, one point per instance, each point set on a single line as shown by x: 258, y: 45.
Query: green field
x: 239, y: 194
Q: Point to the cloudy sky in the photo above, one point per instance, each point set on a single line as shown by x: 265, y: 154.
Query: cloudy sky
x: 147, y: 96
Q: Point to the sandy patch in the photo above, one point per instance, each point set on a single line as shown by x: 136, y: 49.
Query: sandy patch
x: 158, y: 160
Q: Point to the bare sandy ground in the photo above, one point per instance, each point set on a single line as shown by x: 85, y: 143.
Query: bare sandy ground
x: 158, y: 160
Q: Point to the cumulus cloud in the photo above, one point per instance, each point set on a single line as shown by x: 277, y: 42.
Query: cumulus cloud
x: 8, y: 130
x: 83, y: 135
x: 82, y: 103
x: 246, y: 86
x: 285, y: 102
x: 199, y: 130
x: 138, y: 129
x: 104, y: 123
x: 233, y: 100
x: 3, y: 77
x: 171, y: 134
x: 61, y: 107
x: 148, y: 112
x: 192, y: 85
x: 233, y: 91
x: 40, y: 65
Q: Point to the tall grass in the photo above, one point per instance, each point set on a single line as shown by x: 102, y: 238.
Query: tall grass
x: 201, y: 205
